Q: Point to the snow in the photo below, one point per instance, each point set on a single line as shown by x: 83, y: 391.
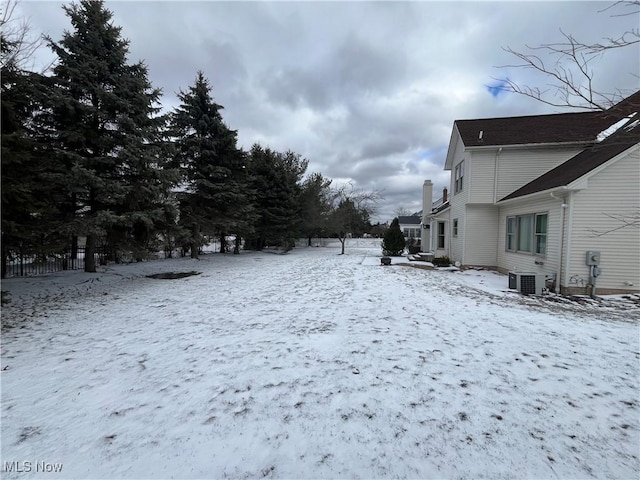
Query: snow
x: 607, y: 132
x: 314, y: 365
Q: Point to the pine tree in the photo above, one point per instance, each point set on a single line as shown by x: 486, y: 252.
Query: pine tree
x: 214, y: 198
x: 106, y: 133
x: 393, y: 242
x: 315, y: 204
x: 30, y: 215
x: 276, y: 181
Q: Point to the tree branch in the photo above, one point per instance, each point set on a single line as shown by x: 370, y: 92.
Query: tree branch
x: 571, y: 79
x: 631, y: 220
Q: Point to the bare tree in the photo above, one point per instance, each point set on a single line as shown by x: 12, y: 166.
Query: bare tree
x: 350, y: 212
x: 571, y: 78
x: 18, y: 43
x: 402, y: 212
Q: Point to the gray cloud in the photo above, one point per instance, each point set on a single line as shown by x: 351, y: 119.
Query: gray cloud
x: 367, y: 91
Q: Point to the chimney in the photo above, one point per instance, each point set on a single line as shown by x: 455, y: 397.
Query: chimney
x: 444, y: 195
x: 427, y: 205
x: 427, y: 193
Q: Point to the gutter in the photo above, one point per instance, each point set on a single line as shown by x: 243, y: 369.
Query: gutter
x: 583, y: 144
x: 533, y: 195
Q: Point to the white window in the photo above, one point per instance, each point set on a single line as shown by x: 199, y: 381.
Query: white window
x: 527, y: 233
x: 511, y: 234
x: 458, y: 176
x: 540, y: 244
x: 455, y: 227
x: 440, y: 234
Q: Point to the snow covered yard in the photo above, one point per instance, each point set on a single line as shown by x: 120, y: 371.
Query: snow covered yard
x: 313, y: 365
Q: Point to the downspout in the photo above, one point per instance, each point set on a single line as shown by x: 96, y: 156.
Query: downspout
x: 495, y: 188
x: 569, y: 222
x: 495, y: 175
x: 563, y: 206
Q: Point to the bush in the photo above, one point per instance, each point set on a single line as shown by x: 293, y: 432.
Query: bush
x: 393, y: 242
x: 441, y: 262
x: 413, y: 249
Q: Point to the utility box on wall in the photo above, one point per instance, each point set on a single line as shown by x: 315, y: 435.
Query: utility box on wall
x: 592, y: 258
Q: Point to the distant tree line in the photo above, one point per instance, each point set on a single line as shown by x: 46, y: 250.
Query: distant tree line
x: 88, y: 153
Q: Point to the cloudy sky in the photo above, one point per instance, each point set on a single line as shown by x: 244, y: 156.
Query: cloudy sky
x: 366, y: 91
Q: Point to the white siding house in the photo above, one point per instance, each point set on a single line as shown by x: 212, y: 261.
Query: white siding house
x: 536, y: 193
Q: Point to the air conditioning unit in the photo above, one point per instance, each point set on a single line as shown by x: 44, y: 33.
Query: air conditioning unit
x: 527, y: 282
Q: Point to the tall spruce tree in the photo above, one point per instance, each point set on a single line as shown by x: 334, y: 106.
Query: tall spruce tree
x: 106, y: 134
x: 276, y: 179
x: 30, y: 215
x: 315, y: 203
x: 214, y: 195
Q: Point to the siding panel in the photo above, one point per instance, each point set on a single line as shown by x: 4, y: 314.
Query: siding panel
x: 481, y: 235
x: 516, y: 168
x: 458, y: 202
x: 613, y: 191
x: 482, y: 171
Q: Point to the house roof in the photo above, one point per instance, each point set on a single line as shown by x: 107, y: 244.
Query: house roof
x: 409, y: 220
x: 542, y: 129
x: 535, y: 129
x: 440, y: 208
x: 621, y: 140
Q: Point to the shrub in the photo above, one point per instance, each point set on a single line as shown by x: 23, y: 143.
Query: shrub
x: 441, y: 262
x: 393, y: 241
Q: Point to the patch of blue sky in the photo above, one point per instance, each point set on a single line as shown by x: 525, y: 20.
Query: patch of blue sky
x: 496, y: 88
x: 431, y: 153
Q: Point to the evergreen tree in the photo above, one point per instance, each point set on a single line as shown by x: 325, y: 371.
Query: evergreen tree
x: 276, y: 181
x: 106, y: 134
x: 393, y: 241
x: 214, y: 195
x: 315, y: 204
x: 30, y: 217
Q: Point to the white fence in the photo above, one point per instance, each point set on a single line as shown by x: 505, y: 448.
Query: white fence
x: 335, y: 243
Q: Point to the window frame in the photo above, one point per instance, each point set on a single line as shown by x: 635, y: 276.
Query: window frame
x: 537, y: 235
x: 514, y: 226
x: 458, y: 178
x: 441, y: 236
x: 454, y: 228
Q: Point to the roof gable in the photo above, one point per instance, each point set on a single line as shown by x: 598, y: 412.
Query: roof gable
x: 584, y: 162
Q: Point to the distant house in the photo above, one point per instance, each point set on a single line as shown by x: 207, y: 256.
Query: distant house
x: 536, y: 193
x: 410, y: 225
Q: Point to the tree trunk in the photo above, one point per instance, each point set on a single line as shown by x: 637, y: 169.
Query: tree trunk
x: 223, y: 243
x: 236, y: 247
x: 5, y: 258
x: 342, y: 241
x: 74, y: 251
x: 309, y: 243
x: 90, y: 254
x: 195, y: 235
